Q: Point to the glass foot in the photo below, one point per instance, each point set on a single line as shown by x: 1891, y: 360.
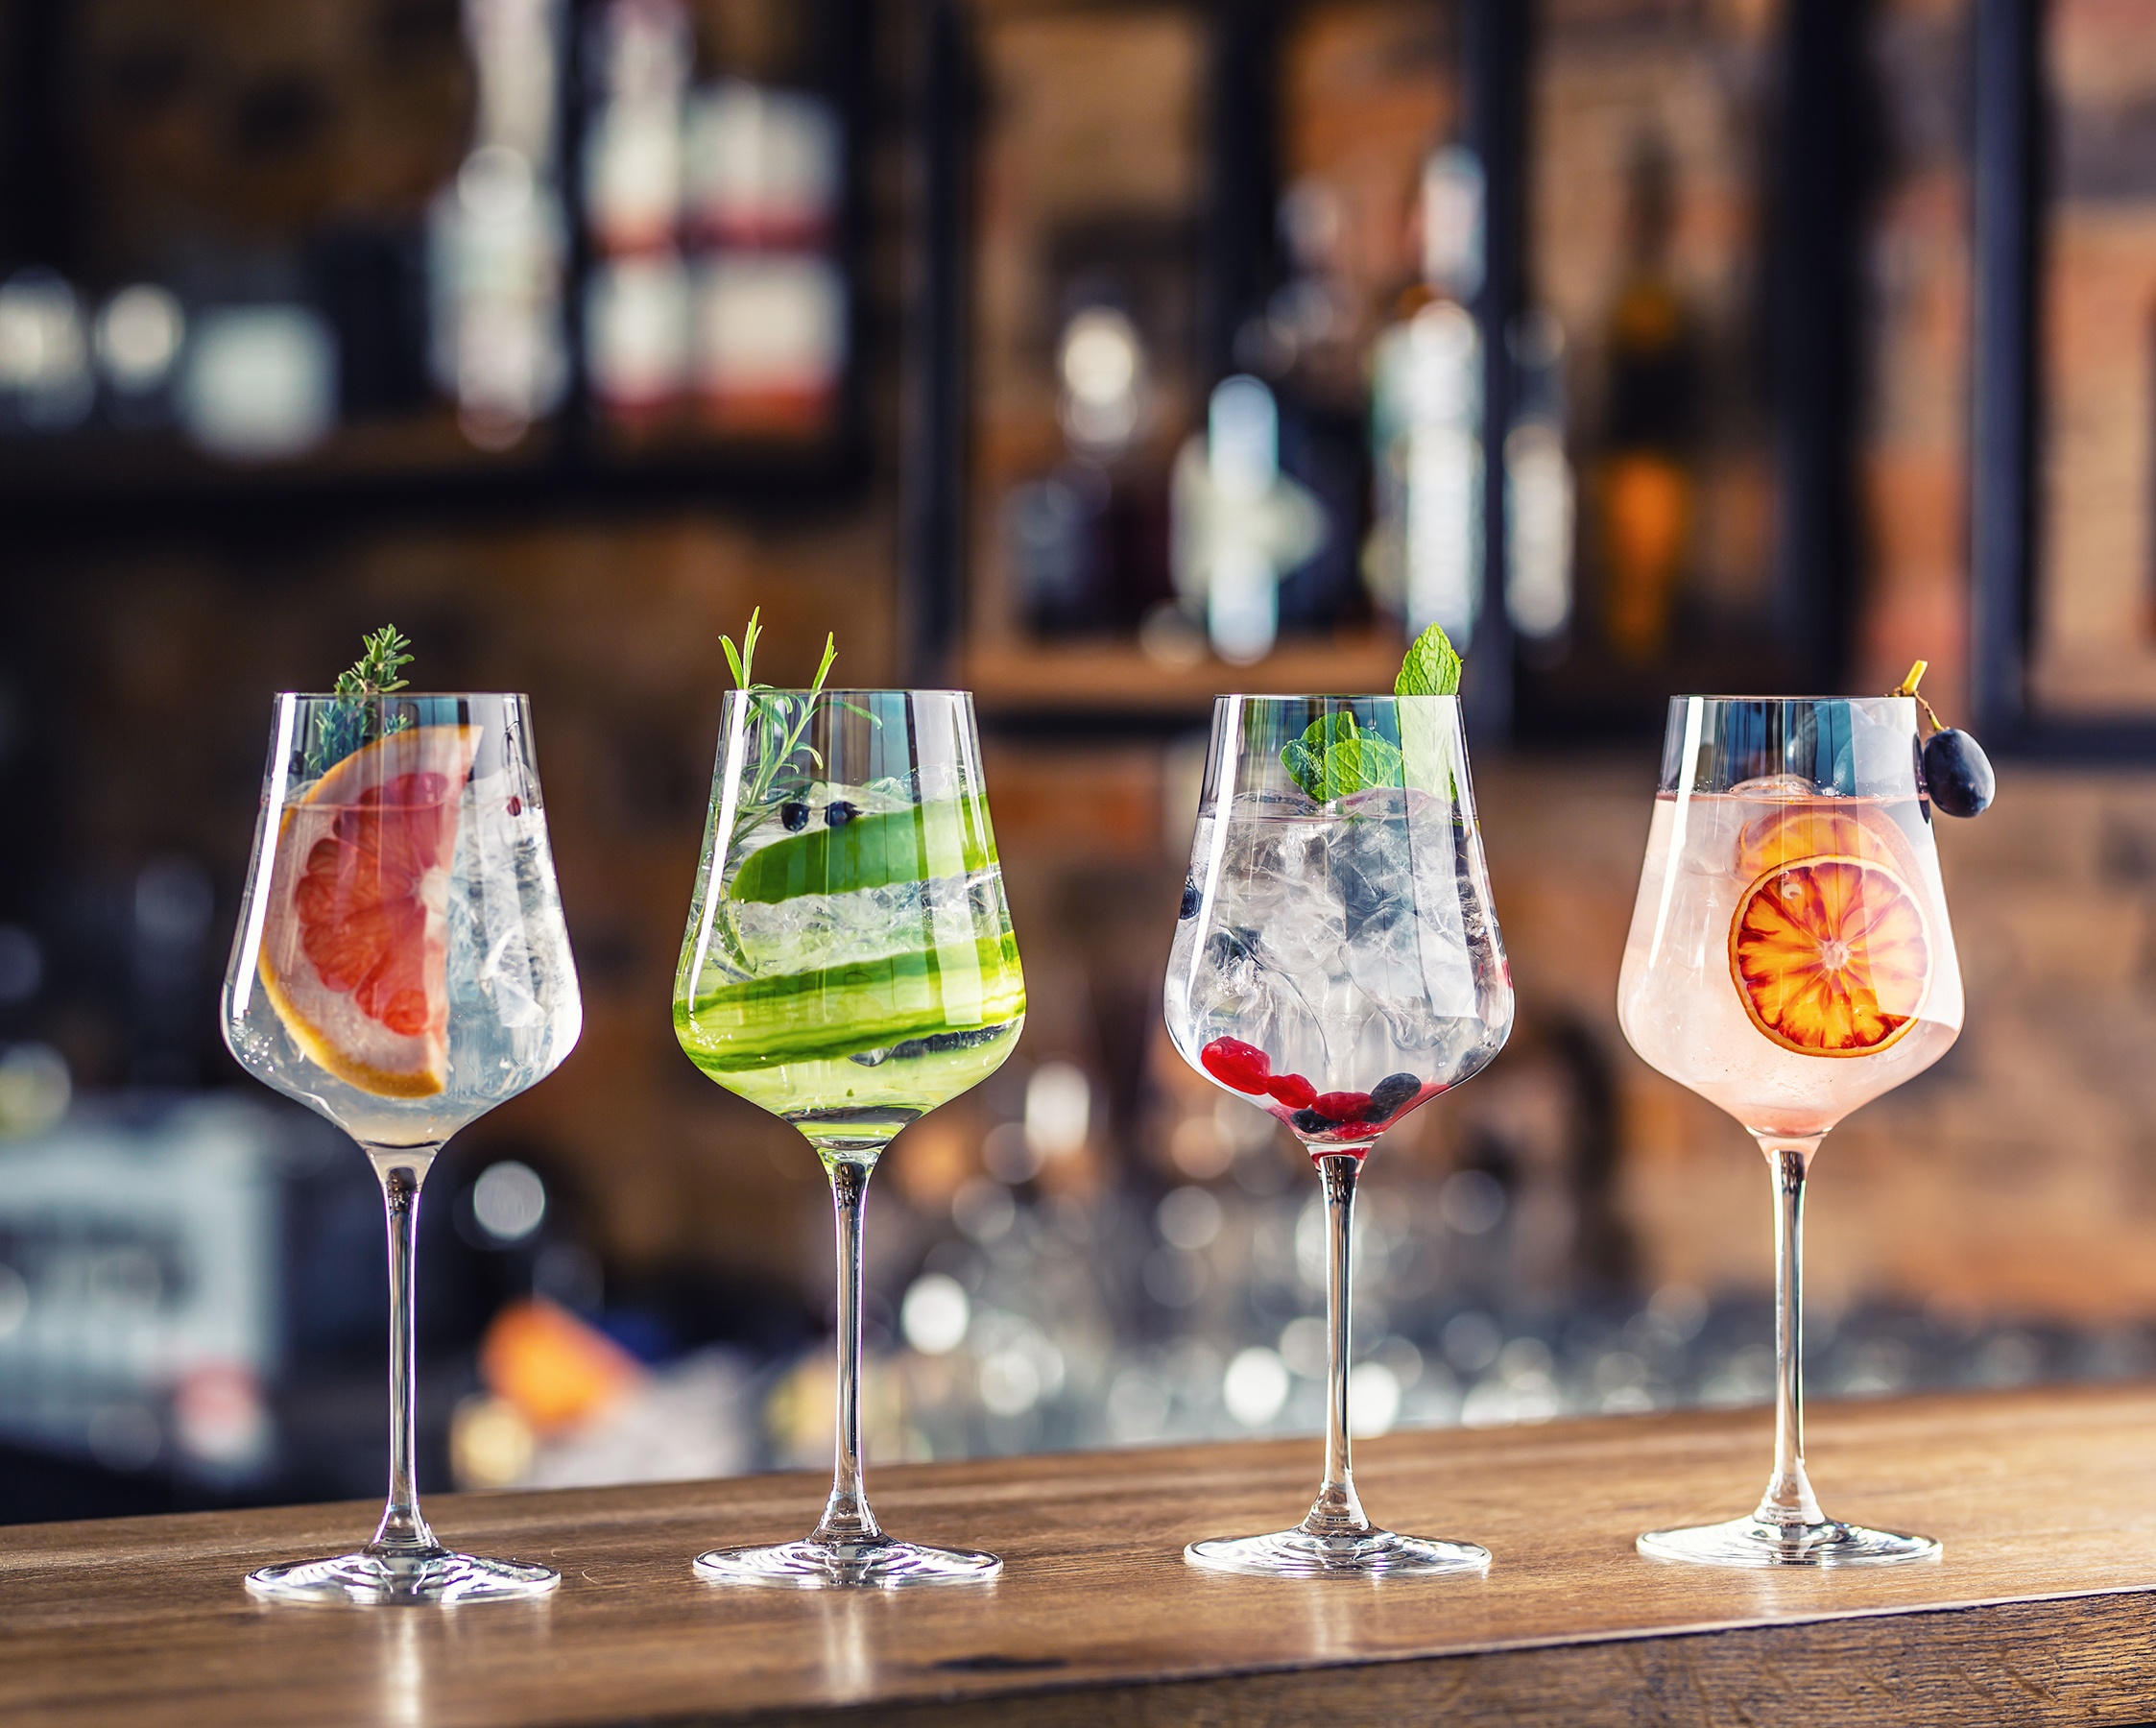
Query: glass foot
x: 1298, y: 1555
x: 846, y: 1566
x: 436, y: 1576
x: 1758, y: 1542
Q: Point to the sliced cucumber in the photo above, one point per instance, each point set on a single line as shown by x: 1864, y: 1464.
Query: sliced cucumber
x: 818, y: 1016
x: 944, y: 838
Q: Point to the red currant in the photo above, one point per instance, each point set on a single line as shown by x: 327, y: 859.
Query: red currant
x: 1234, y: 1062
x: 1292, y: 1090
x: 1342, y: 1106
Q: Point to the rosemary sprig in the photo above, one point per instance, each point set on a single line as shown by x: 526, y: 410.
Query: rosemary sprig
x: 785, y: 721
x: 782, y: 724
x: 382, y: 657
x: 358, y: 716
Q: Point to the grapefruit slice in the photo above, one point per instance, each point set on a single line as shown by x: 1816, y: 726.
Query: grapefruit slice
x: 1831, y: 956
x: 356, y: 945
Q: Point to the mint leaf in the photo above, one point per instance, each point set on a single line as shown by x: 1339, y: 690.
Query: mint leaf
x: 1332, y: 760
x: 1431, y: 668
x: 1305, y: 767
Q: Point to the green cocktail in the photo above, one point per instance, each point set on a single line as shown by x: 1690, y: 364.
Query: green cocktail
x: 848, y: 966
x: 851, y: 979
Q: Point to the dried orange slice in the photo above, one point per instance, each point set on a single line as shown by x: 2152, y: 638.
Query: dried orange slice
x: 355, y: 942
x: 1831, y: 956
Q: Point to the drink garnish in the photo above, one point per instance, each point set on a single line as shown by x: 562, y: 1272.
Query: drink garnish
x: 1957, y: 772
x: 1830, y: 956
x: 852, y: 851
x: 786, y: 718
x: 358, y: 716
x: 1431, y: 666
x: 1336, y: 758
x: 356, y: 945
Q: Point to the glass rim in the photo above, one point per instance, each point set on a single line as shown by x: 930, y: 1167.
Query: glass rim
x: 850, y: 690
x: 1787, y: 701
x: 1331, y: 696
x: 404, y: 696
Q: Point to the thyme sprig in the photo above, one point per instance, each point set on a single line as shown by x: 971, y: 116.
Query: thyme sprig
x: 359, y: 716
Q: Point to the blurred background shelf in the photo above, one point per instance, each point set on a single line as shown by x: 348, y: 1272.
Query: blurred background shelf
x: 1114, y: 681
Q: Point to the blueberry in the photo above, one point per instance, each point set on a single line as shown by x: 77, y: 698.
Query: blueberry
x: 793, y: 815
x: 838, y: 813
x: 1958, y: 774
x: 1225, y: 947
x: 1391, y: 1095
x: 1311, y: 1121
x: 1190, y: 901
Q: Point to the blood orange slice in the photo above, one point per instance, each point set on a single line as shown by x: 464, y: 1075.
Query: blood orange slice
x: 355, y: 942
x: 1831, y: 956
x: 1806, y: 828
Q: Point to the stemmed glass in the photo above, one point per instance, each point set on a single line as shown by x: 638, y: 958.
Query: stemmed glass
x: 1790, y: 959
x: 848, y: 966
x: 1337, y: 964
x: 401, y: 967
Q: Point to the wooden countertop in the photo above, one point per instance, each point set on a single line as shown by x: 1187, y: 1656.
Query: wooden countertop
x: 2038, y: 1612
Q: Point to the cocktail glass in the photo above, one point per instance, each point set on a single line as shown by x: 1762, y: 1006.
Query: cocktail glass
x: 1337, y: 964
x: 401, y: 967
x: 1790, y: 959
x: 848, y: 966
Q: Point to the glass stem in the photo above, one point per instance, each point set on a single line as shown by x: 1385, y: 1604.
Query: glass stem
x: 1337, y: 1513
x: 1788, y: 1499
x: 403, y: 1530
x: 847, y: 1521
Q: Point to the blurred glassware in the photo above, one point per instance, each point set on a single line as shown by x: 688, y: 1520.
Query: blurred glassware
x: 848, y: 966
x: 45, y: 380
x: 139, y: 338
x: 498, y: 234
x: 260, y: 382
x: 400, y: 968
x: 1239, y: 524
x: 1338, y: 962
x: 1790, y: 960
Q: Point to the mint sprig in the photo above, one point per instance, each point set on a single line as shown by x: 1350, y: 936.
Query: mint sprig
x: 1334, y: 758
x: 1431, y: 668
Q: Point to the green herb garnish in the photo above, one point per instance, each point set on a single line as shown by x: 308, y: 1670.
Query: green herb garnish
x: 783, y: 718
x: 1431, y: 668
x: 381, y: 658
x: 357, y: 718
x: 786, y: 720
x: 1334, y: 758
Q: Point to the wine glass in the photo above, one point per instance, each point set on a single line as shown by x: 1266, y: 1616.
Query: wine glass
x: 849, y: 965
x: 1337, y: 963
x: 1790, y: 959
x: 400, y: 968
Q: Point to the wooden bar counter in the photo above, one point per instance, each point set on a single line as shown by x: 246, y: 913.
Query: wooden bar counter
x: 2041, y: 1611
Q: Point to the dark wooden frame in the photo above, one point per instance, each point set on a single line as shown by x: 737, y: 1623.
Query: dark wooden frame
x: 2011, y: 182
